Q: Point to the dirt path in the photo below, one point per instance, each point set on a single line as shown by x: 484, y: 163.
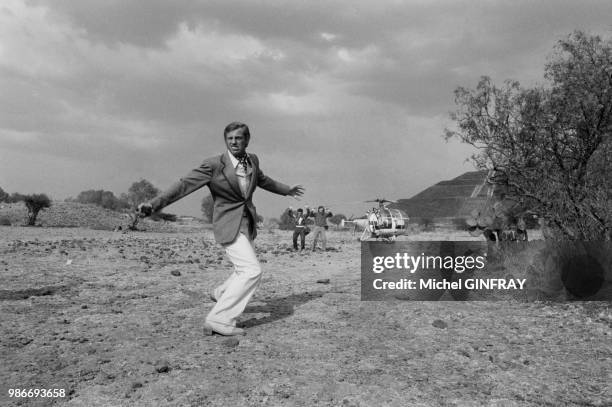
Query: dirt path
x: 116, y: 320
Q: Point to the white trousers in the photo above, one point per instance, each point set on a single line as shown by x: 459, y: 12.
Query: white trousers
x: 234, y: 294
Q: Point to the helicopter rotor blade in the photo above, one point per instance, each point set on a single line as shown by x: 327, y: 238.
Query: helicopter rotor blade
x: 381, y: 200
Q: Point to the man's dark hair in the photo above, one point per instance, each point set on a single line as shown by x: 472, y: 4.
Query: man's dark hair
x: 235, y: 126
x: 300, y: 210
x: 320, y: 207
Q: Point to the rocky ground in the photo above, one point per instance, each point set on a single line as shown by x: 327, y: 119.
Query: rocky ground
x: 116, y: 319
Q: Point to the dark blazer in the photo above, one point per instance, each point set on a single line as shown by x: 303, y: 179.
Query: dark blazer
x: 229, y: 204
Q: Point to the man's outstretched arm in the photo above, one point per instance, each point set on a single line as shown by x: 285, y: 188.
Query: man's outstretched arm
x: 296, y: 191
x: 194, y: 180
x: 267, y: 183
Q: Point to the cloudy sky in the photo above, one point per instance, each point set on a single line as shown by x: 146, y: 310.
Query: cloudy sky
x: 349, y: 98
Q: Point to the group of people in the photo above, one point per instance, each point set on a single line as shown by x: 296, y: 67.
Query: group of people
x: 301, y: 228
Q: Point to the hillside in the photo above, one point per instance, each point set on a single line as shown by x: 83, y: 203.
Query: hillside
x: 73, y: 214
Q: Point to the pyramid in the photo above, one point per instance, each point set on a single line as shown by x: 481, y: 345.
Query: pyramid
x: 454, y: 198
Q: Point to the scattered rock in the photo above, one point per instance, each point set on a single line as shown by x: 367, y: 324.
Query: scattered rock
x: 465, y: 351
x: 121, y: 286
x: 438, y: 323
x: 266, y: 390
x: 231, y: 342
x: 162, y: 368
x: 25, y: 341
x: 175, y: 273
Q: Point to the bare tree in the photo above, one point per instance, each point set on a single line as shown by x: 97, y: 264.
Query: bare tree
x: 550, y: 147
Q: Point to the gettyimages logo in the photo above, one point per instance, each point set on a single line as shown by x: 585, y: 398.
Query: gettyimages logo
x: 412, y: 264
x: 468, y: 270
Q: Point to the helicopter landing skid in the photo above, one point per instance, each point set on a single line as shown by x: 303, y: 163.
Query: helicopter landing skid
x: 384, y: 235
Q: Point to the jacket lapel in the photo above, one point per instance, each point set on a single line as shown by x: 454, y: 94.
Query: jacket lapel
x: 230, y: 173
x: 252, y: 178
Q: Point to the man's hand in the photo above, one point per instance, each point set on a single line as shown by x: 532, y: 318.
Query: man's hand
x: 144, y: 209
x: 296, y: 191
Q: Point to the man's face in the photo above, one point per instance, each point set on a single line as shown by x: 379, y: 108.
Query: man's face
x: 236, y: 142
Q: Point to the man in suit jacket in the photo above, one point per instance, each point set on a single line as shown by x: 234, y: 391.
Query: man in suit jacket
x: 232, y: 178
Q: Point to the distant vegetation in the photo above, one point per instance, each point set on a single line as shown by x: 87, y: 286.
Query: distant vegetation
x: 337, y: 219
x: 11, y: 198
x: 285, y: 221
x: 105, y: 199
x: 34, y: 204
x: 140, y: 191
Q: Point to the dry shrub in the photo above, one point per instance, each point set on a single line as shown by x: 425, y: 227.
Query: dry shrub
x: 555, y: 270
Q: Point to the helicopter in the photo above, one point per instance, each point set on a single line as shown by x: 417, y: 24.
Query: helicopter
x: 382, y: 223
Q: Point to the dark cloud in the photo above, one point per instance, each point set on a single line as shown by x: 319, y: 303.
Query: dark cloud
x: 146, y: 23
x: 444, y: 44
x: 347, y: 97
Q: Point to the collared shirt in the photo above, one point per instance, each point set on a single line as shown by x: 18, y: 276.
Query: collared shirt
x: 234, y: 160
x: 243, y: 177
x: 300, y: 221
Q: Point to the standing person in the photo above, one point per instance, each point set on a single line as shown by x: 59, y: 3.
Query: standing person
x: 320, y: 226
x: 300, y: 229
x: 232, y: 178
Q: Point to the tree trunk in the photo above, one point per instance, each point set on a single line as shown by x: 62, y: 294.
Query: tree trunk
x: 32, y: 218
